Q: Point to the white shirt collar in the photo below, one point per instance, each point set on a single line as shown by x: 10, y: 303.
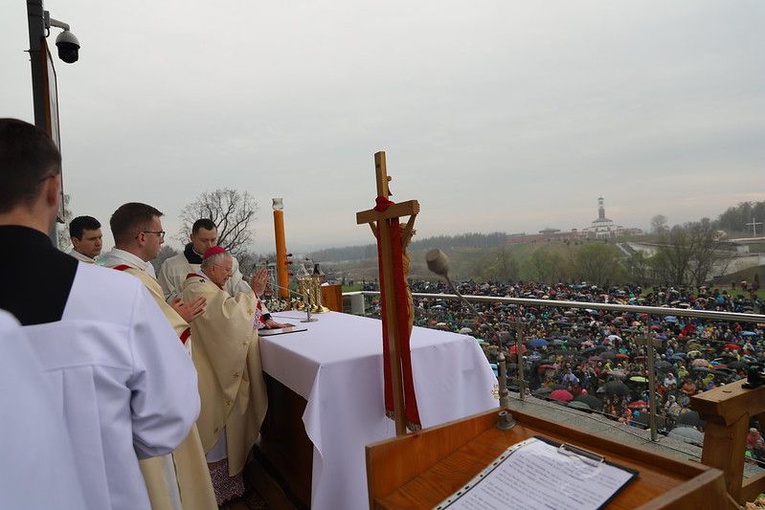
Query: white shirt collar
x: 128, y: 258
x: 82, y: 258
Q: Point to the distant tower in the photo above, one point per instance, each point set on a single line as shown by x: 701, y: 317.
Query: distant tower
x: 601, y: 209
x: 603, y: 228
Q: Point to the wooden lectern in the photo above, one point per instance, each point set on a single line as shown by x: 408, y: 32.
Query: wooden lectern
x: 422, y: 469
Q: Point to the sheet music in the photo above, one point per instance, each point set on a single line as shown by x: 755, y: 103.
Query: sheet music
x: 536, y: 474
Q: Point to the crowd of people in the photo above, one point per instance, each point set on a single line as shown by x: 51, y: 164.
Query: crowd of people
x: 596, y: 360
x: 128, y: 391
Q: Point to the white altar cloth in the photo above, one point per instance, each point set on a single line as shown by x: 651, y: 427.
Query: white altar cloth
x: 337, y: 367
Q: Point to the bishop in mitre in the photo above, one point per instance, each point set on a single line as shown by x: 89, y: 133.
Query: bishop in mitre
x: 227, y: 356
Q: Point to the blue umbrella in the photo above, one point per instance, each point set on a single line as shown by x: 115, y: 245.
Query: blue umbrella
x: 670, y: 318
x: 748, y: 333
x: 537, y: 342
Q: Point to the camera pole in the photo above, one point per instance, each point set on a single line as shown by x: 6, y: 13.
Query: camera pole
x: 38, y: 58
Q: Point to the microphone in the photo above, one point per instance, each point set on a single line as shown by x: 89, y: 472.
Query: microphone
x: 438, y: 263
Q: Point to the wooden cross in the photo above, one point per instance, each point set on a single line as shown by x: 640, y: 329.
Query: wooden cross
x: 380, y: 221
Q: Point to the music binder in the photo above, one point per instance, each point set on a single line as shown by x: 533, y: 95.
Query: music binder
x: 541, y: 473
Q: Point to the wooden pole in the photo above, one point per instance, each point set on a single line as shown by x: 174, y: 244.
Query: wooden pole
x: 390, y: 299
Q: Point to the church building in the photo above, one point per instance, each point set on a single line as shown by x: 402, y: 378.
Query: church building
x: 602, y: 227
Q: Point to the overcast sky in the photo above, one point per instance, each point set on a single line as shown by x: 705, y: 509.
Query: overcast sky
x: 495, y: 115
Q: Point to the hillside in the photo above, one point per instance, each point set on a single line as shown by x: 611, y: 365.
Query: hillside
x: 545, y: 257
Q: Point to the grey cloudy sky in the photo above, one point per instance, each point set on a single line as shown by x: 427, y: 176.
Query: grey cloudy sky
x: 495, y: 115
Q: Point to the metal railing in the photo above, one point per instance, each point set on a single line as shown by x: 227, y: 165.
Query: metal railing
x: 651, y: 310
x: 648, y: 342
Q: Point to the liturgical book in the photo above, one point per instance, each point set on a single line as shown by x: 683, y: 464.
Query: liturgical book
x: 540, y: 473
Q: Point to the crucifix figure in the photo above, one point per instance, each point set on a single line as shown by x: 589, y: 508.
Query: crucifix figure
x: 397, y: 306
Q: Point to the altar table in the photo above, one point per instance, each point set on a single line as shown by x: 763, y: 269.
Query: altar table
x: 336, y: 366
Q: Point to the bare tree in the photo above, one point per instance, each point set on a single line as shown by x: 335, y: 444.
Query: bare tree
x: 637, y: 267
x: 232, y: 212
x: 164, y: 253
x: 546, y: 265
x: 659, y: 225
x: 598, y: 263
x: 62, y: 229
x: 689, y: 254
x: 498, y: 265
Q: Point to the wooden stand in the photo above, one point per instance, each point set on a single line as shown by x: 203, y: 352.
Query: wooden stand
x: 332, y: 297
x: 726, y: 411
x: 422, y: 469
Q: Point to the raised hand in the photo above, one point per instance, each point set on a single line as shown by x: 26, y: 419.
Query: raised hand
x: 259, y: 280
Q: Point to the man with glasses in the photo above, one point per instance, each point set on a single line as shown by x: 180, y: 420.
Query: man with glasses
x: 138, y: 237
x: 122, y: 382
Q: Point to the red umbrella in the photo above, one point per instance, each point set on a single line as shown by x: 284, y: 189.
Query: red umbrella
x: 622, y: 356
x: 514, y: 349
x: 562, y: 396
x: 733, y: 346
x: 638, y: 403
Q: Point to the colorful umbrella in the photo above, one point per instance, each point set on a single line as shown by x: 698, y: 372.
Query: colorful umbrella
x: 591, y: 400
x: 616, y: 388
x: 537, y: 342
x: 562, y: 396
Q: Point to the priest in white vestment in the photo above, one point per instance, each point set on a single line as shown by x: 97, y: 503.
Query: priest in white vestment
x: 37, y: 467
x: 179, y: 481
x: 121, y: 380
x: 231, y: 386
x: 172, y: 274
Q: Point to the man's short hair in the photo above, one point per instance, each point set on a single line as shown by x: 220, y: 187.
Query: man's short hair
x: 129, y: 219
x: 82, y: 223
x: 27, y: 157
x: 204, y: 223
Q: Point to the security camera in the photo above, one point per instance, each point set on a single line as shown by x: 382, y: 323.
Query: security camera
x: 68, y: 47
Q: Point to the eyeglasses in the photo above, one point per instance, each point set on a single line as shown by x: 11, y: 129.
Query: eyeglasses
x: 160, y: 233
